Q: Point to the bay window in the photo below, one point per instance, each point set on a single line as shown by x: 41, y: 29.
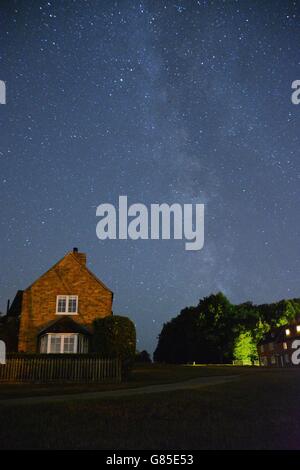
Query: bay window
x: 63, y: 343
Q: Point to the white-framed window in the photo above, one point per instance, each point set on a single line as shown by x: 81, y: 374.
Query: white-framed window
x: 83, y: 344
x: 43, y: 344
x: 66, y: 304
x: 63, y: 343
x: 55, y: 344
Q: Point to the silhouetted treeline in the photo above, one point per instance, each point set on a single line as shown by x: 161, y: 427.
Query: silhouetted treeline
x: 216, y: 331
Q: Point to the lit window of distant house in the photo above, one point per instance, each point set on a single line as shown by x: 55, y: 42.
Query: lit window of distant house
x: 271, y: 346
x: 67, y: 304
x: 287, y: 332
x: 298, y: 328
x: 262, y: 349
x: 284, y: 345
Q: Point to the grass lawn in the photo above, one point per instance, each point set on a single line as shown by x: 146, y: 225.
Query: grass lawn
x: 259, y: 411
x: 142, y: 375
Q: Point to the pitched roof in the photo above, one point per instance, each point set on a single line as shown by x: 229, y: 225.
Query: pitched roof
x: 16, y: 306
x: 71, y: 253
x: 64, y: 325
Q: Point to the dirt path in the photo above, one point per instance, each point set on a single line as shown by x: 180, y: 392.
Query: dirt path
x: 127, y: 392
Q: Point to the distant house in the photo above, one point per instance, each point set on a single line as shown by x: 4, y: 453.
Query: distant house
x: 275, y: 348
x: 55, y: 314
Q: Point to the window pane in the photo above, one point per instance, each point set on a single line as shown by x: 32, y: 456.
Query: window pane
x: 61, y: 304
x: 83, y: 345
x: 43, y: 344
x: 55, y: 342
x: 69, y: 344
x: 72, y: 304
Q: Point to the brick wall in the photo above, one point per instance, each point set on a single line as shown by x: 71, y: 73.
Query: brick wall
x: 68, y: 277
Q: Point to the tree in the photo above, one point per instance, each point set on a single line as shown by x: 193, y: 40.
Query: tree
x: 143, y: 356
x: 245, y: 349
x: 202, y: 334
x: 115, y: 337
x: 216, y: 331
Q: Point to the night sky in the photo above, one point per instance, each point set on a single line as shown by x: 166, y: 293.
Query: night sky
x: 162, y: 101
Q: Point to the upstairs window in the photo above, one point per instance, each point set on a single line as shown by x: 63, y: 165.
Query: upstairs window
x: 72, y: 304
x: 287, y: 332
x: 67, y: 304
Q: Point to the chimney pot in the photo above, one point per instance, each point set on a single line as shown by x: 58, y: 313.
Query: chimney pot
x: 81, y: 257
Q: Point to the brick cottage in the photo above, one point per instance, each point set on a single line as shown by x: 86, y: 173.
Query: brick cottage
x: 55, y: 314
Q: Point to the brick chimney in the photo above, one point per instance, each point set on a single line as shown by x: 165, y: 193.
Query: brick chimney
x: 81, y: 257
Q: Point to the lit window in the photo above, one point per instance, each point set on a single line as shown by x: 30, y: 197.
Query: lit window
x: 67, y: 304
x: 65, y: 343
x: 298, y: 328
x: 69, y: 344
x: 43, y: 344
x: 284, y: 345
x: 55, y: 344
x: 287, y: 332
x: 83, y: 344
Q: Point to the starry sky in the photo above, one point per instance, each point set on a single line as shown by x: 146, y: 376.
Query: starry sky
x: 162, y: 101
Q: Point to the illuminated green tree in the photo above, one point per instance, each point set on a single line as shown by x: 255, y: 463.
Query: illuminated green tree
x: 245, y: 348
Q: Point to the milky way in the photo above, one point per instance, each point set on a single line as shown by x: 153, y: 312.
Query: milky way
x: 162, y: 101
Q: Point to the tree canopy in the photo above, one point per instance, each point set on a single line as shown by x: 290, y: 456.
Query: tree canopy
x: 216, y: 331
